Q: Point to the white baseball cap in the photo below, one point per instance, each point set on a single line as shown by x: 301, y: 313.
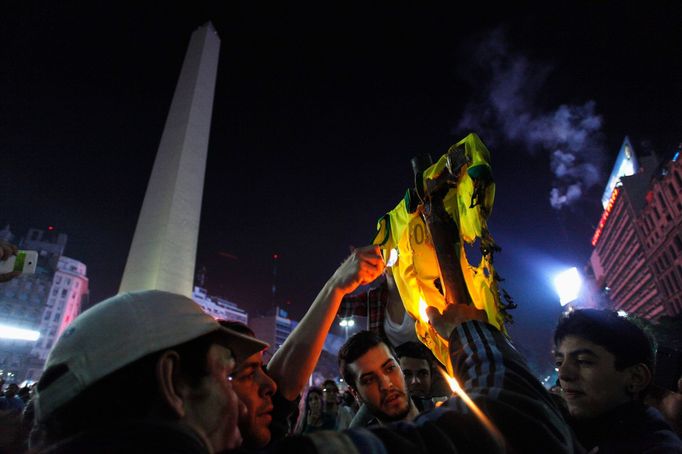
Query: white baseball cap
x: 121, y: 330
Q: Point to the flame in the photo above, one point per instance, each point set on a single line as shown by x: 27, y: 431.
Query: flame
x: 487, y: 423
x: 422, y: 310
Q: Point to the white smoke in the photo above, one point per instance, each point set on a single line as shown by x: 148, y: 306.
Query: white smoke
x: 506, y: 104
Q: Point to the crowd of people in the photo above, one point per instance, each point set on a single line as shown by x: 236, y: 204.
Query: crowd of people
x: 148, y: 371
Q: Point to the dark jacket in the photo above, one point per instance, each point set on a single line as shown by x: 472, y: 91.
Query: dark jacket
x: 133, y: 437
x: 630, y: 428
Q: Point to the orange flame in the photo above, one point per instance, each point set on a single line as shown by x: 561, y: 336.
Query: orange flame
x: 422, y: 310
x: 487, y: 423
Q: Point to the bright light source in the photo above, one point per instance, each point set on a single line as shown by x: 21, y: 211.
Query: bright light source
x: 392, y: 258
x: 10, y: 332
x: 343, y: 322
x: 622, y: 313
x: 347, y: 322
x: 567, y: 285
x: 422, y: 310
x: 351, y: 323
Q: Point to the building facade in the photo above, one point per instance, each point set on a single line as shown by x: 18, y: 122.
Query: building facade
x: 273, y: 327
x: 46, y: 302
x: 219, y: 308
x: 636, y: 263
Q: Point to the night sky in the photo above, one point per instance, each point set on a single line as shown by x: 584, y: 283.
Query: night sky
x: 317, y: 112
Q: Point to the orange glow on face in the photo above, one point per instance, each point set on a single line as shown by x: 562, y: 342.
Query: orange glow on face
x: 487, y: 423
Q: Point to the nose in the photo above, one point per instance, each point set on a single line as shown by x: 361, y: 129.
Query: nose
x: 566, y: 371
x: 385, y: 382
x: 267, y: 384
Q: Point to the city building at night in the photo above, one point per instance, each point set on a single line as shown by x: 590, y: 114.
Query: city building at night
x: 219, y: 308
x: 43, y: 303
x: 273, y: 327
x: 636, y: 263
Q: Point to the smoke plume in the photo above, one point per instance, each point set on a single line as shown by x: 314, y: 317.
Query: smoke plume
x: 506, y: 105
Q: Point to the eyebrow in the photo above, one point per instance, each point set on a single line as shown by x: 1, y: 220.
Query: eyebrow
x: 372, y: 373
x: 580, y: 351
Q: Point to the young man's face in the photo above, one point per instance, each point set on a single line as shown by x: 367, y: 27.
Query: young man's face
x: 330, y: 394
x: 590, y: 383
x: 380, y: 384
x: 255, y: 389
x: 212, y: 408
x: 417, y: 374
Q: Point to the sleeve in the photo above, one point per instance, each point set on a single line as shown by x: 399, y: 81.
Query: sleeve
x: 497, y: 379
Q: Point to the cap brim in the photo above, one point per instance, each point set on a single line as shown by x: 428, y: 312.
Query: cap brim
x: 242, y: 345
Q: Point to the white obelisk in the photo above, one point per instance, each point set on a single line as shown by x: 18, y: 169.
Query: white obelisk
x: 163, y: 251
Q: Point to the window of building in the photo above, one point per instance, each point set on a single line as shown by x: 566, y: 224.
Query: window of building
x: 678, y: 180
x: 64, y: 292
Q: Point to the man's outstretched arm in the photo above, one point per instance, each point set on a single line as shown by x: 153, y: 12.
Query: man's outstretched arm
x: 295, y: 360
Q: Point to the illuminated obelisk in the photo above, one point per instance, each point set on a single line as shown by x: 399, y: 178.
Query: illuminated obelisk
x: 163, y: 251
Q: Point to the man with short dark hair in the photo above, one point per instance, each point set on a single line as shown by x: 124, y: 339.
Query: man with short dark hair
x: 175, y: 363
x: 370, y: 369
x: 415, y: 362
x: 605, y: 365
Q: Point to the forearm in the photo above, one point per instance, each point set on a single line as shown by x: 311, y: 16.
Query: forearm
x: 295, y: 360
x: 497, y: 378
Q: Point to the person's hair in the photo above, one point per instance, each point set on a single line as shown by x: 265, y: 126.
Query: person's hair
x: 302, y: 422
x: 126, y: 394
x: 356, y: 346
x: 625, y: 340
x: 328, y: 382
x: 414, y: 350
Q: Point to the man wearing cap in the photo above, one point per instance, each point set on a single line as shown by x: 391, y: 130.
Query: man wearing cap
x: 175, y: 363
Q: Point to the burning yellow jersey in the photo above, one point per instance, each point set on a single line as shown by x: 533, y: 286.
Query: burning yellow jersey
x: 469, y: 202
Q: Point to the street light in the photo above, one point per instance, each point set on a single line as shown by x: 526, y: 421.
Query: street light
x: 12, y: 332
x: 567, y: 285
x: 347, y: 323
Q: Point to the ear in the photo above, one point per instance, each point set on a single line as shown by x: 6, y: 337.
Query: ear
x: 356, y: 395
x: 638, y: 378
x: 170, y: 385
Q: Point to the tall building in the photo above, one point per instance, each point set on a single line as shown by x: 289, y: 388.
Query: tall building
x: 163, y: 251
x: 637, y: 258
x: 219, y: 308
x: 273, y: 327
x: 45, y: 302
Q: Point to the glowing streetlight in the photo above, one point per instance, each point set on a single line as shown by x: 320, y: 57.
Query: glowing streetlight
x: 11, y: 332
x: 347, y: 323
x: 567, y: 285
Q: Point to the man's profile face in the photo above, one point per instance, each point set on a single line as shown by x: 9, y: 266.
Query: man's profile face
x: 212, y: 408
x: 255, y: 389
x: 380, y: 384
x: 417, y: 374
x: 590, y: 383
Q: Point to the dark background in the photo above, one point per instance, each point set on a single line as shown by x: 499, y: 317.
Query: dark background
x: 317, y: 112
